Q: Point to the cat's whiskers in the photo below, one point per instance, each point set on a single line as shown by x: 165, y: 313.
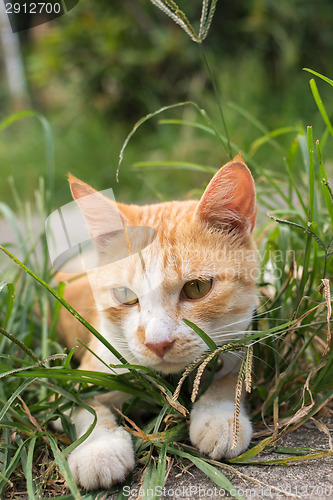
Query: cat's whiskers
x: 262, y: 304
x: 228, y: 325
x: 263, y: 314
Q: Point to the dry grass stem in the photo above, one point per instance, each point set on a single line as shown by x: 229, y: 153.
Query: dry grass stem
x: 248, y: 368
x: 238, y: 396
x: 326, y: 285
x: 197, y: 380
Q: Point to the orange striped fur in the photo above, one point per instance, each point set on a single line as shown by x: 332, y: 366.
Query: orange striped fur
x: 195, y: 241
x: 200, y: 247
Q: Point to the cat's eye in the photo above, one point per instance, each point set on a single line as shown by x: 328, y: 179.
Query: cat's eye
x: 196, y: 289
x: 125, y: 296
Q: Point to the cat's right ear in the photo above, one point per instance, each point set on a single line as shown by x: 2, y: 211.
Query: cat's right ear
x: 229, y: 200
x: 101, y: 213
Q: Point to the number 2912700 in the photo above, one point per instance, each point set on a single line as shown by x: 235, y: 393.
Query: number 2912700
x: 33, y: 8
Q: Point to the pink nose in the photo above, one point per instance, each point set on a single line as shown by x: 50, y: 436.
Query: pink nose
x: 161, y: 348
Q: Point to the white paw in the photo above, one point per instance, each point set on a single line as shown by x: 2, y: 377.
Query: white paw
x: 104, y: 459
x: 211, y: 430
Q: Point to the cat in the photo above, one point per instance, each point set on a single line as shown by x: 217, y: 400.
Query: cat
x: 201, y: 266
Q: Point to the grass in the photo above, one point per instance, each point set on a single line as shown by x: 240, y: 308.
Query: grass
x: 289, y: 339
x: 293, y: 366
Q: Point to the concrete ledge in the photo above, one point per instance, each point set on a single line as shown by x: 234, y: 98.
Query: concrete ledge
x: 312, y: 479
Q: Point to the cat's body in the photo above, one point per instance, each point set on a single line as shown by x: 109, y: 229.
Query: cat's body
x: 201, y: 266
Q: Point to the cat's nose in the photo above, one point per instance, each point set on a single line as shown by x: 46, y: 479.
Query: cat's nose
x: 160, y: 348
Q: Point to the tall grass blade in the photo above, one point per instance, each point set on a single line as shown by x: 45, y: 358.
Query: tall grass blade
x: 140, y: 122
x: 289, y: 460
x: 64, y: 468
x: 12, y: 466
x: 66, y: 305
x: 184, y: 165
x: 10, y: 300
x: 200, y: 126
x: 328, y: 80
x: 311, y: 175
x: 302, y: 228
x: 252, y: 452
x: 320, y: 105
x: 30, y: 485
x: 212, y: 472
x: 206, y: 338
x: 12, y: 398
x: 323, y: 178
x: 268, y: 136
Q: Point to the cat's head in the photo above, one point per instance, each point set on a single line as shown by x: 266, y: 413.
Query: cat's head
x: 165, y: 262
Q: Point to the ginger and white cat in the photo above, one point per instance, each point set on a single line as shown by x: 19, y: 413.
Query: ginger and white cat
x: 202, y: 267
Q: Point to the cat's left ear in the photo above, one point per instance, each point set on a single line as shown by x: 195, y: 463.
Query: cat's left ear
x: 229, y: 200
x: 101, y: 214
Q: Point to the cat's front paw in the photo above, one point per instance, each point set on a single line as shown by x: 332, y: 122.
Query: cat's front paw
x: 211, y: 430
x: 104, y: 459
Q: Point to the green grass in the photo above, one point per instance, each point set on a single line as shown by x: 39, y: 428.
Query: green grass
x: 293, y: 367
x: 290, y: 336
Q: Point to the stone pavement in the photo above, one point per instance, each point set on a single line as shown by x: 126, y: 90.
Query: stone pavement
x: 308, y: 480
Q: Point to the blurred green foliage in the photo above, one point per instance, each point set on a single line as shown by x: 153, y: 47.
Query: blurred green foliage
x: 125, y: 58
x: 104, y: 65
